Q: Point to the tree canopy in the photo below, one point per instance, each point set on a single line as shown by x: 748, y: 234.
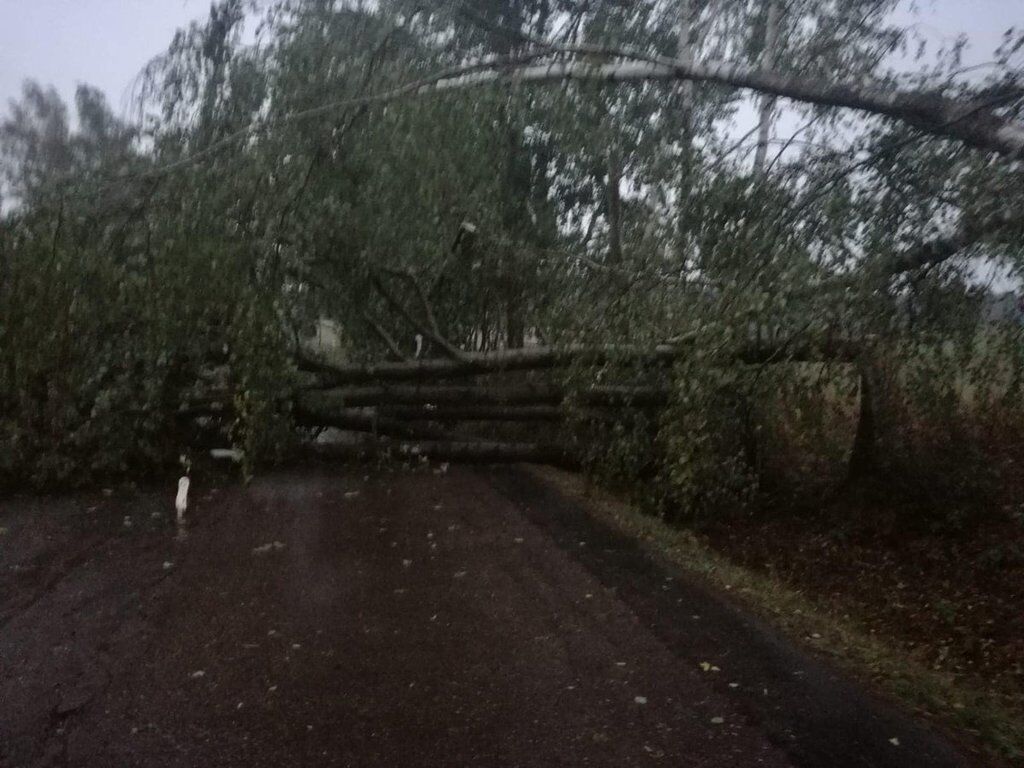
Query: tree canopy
x: 492, y: 174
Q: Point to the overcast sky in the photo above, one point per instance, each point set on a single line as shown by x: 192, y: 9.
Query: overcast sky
x: 100, y: 42
x: 106, y: 42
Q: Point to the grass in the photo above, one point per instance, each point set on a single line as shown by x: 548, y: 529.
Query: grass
x: 995, y: 724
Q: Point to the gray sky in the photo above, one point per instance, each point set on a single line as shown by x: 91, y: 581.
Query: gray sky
x: 106, y: 42
x: 100, y: 42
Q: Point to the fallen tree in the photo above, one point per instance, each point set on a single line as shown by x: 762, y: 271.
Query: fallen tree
x: 757, y: 351
x: 474, y: 364
x: 462, y: 413
x: 477, y: 452
x: 975, y: 122
x: 365, y: 421
x: 329, y: 400
x: 391, y: 419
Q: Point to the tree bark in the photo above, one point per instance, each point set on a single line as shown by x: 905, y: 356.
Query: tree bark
x: 319, y: 401
x: 541, y: 358
x: 483, y: 452
x: 769, y: 62
x: 362, y: 421
x: 686, y: 53
x: 461, y: 413
x: 476, y: 363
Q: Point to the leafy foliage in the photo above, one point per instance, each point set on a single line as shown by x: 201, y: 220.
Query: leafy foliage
x: 150, y: 270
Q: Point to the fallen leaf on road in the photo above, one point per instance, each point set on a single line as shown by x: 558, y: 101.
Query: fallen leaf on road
x: 640, y: 699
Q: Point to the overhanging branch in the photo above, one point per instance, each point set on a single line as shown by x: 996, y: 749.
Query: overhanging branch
x: 972, y: 123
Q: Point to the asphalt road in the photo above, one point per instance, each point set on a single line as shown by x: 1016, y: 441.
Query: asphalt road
x: 325, y: 617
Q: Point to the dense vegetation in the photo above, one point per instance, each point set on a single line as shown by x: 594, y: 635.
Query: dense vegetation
x: 825, y: 293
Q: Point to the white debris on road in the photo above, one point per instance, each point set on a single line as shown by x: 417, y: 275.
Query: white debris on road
x: 264, y: 548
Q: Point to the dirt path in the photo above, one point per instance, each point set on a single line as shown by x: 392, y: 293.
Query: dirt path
x: 471, y: 618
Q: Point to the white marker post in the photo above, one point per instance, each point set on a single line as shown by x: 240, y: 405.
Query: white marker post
x: 181, y: 503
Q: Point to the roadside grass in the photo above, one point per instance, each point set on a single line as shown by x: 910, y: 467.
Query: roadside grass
x: 993, y: 722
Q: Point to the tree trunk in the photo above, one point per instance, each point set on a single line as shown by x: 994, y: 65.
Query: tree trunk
x: 961, y: 120
x: 864, y: 455
x: 460, y: 413
x: 515, y: 336
x: 542, y: 358
x: 686, y: 53
x: 769, y: 62
x: 614, y: 203
x: 482, y: 452
x: 320, y: 401
x: 476, y: 363
x: 363, y: 421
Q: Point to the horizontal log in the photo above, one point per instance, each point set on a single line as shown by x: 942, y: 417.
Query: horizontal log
x: 327, y: 400
x: 472, y: 452
x: 396, y: 419
x: 476, y: 363
x: 456, y: 413
x: 757, y: 351
x: 364, y: 421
